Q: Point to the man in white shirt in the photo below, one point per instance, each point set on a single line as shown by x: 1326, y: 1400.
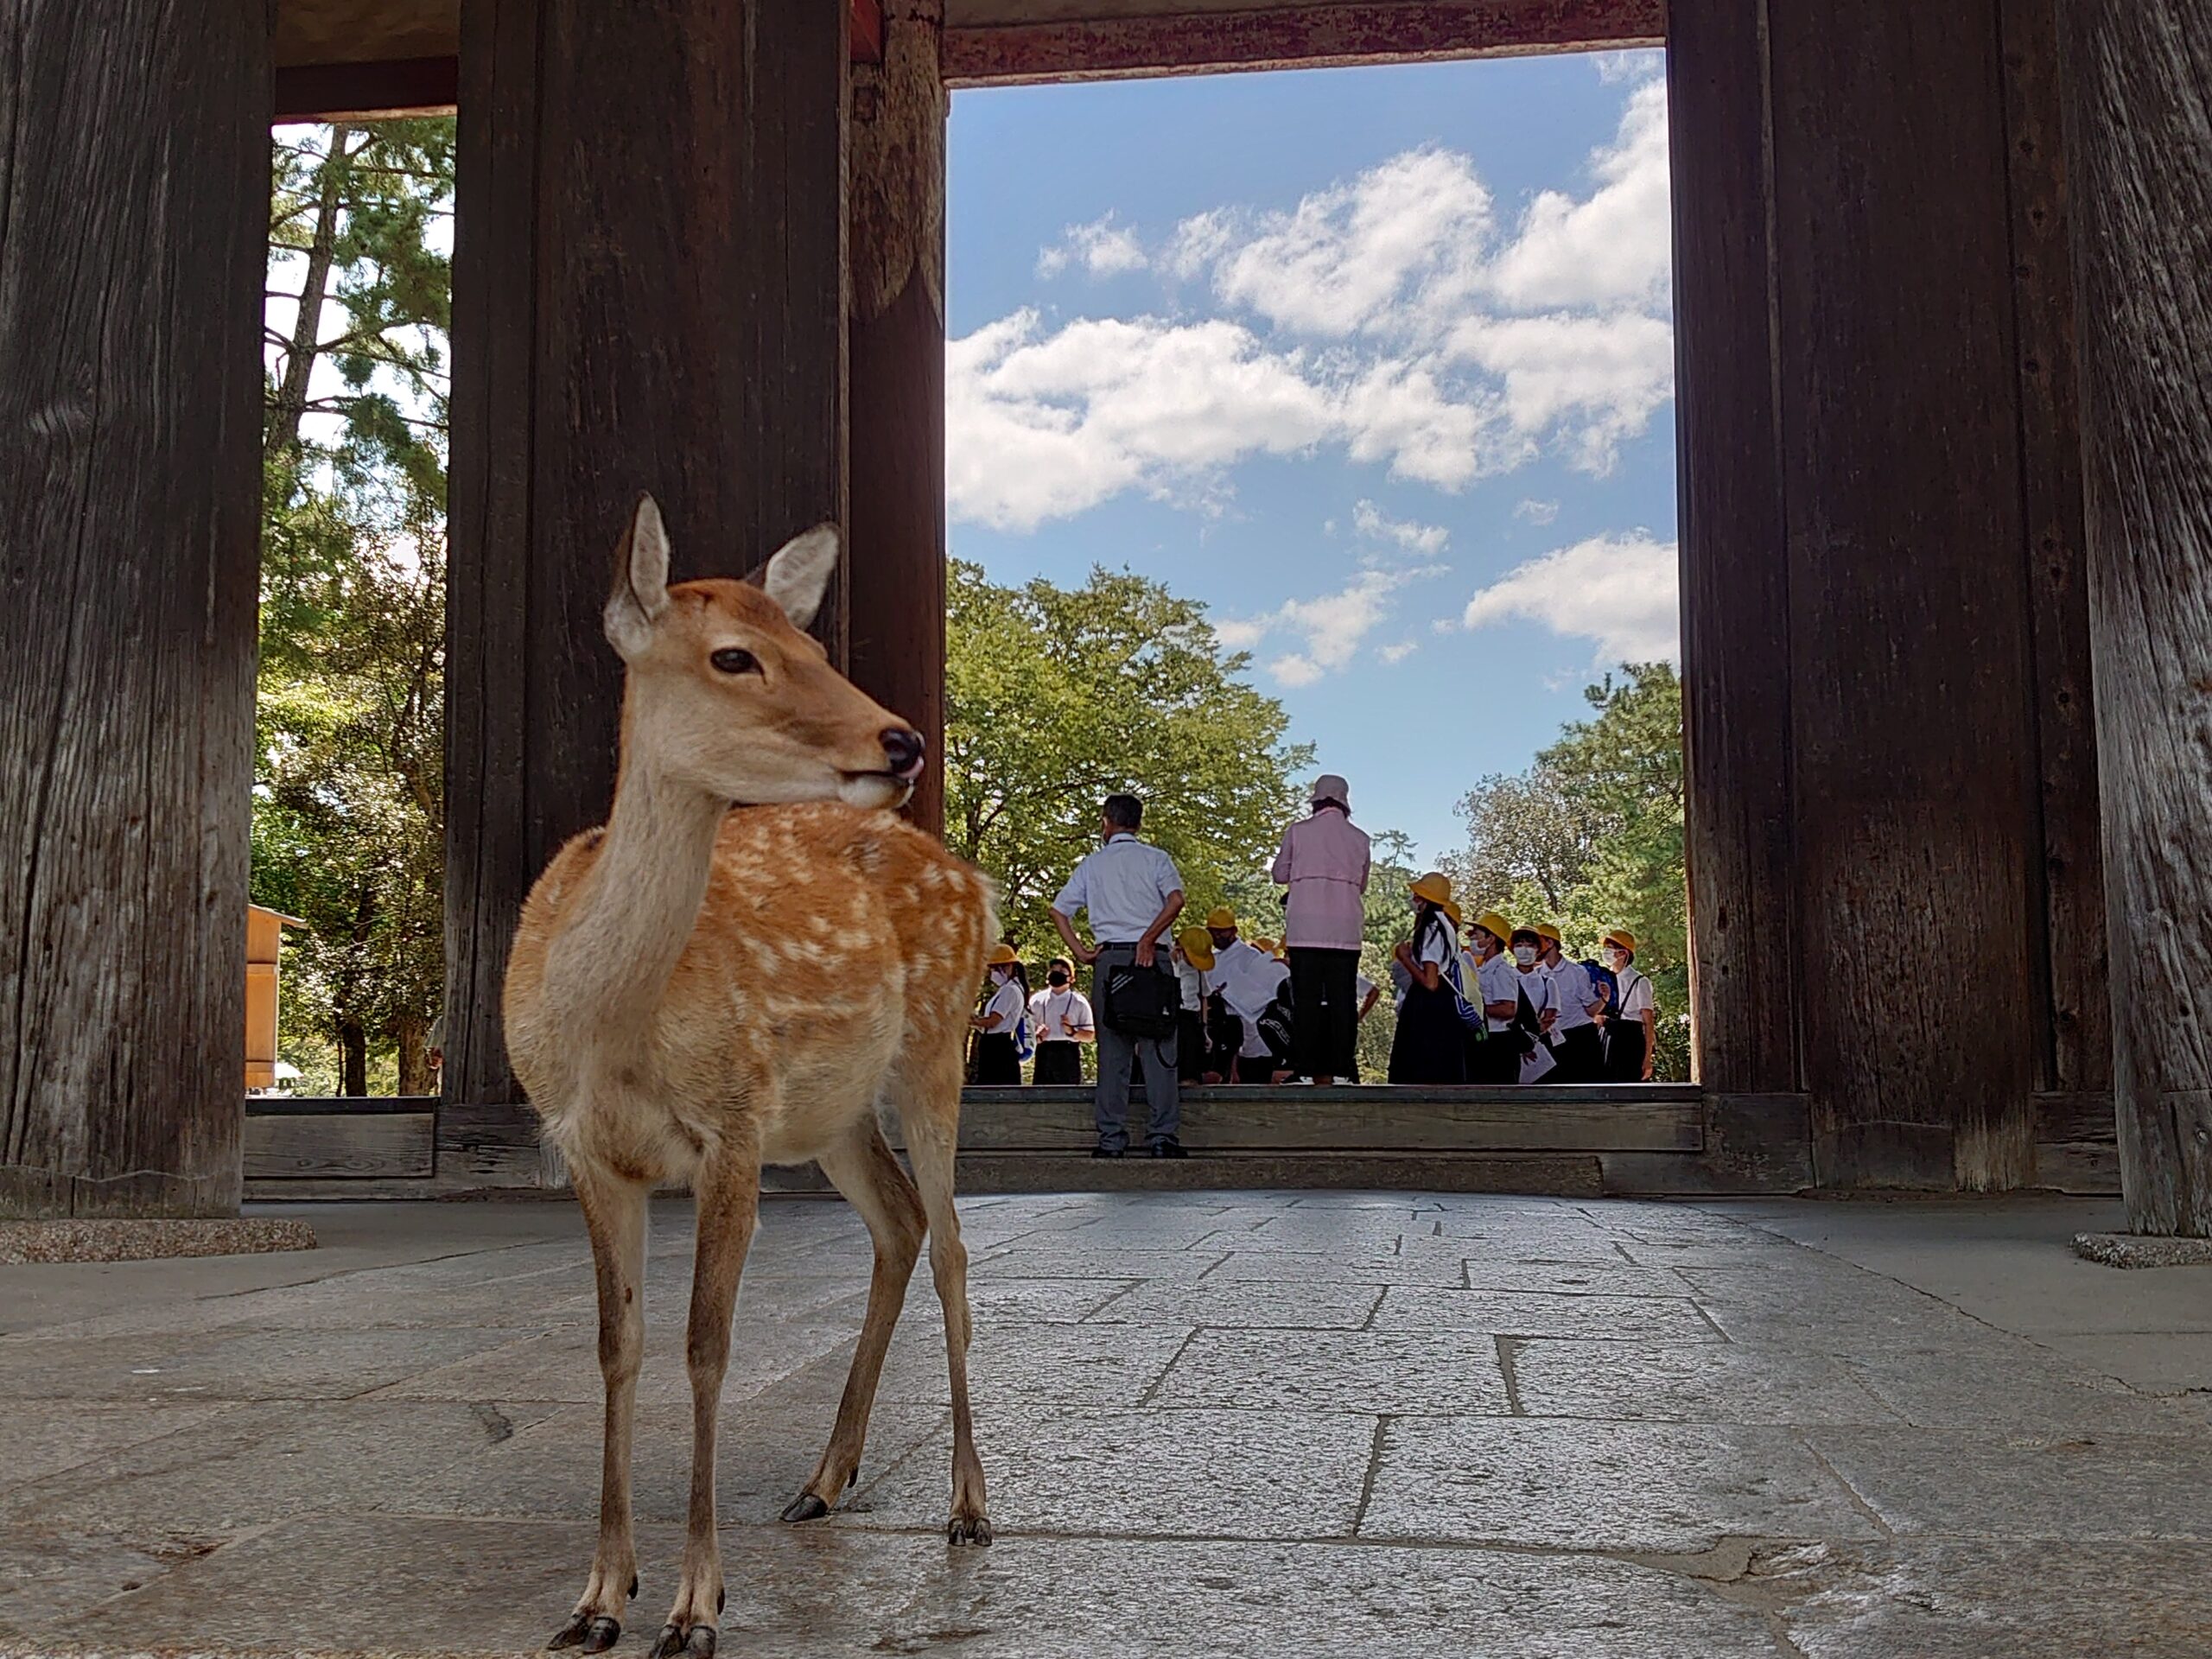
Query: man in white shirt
x: 1060, y: 1023
x: 1133, y: 895
x: 1574, y: 1036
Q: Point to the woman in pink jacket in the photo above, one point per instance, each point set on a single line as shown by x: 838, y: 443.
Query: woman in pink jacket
x: 1324, y: 863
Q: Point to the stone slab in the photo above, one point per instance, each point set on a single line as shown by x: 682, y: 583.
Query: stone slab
x: 1272, y: 1305
x: 1153, y: 1473
x: 1692, y: 1383
x: 233, y: 1364
x: 1538, y: 1313
x: 1955, y: 1600
x: 60, y: 1240
x: 1448, y: 1372
x: 418, y: 1587
x: 1997, y: 1483
x: 1954, y: 1390
x: 1620, y: 1487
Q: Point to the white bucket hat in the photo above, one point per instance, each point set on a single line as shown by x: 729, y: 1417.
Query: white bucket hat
x: 1329, y: 787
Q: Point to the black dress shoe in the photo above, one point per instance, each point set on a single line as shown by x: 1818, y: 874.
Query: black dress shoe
x: 1171, y: 1147
x: 1107, y: 1152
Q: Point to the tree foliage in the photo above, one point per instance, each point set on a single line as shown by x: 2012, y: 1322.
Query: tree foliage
x: 348, y: 816
x: 1057, y: 697
x: 1590, y: 837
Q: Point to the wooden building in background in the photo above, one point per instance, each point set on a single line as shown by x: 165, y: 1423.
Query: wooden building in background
x: 1945, y: 419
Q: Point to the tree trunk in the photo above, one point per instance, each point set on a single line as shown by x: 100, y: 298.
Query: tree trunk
x: 354, y: 1045
x: 412, y: 1032
x: 289, y: 405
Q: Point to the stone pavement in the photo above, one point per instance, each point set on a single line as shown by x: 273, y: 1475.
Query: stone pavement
x: 1236, y: 1423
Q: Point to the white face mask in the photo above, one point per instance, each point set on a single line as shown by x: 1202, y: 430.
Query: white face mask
x: 1525, y: 955
x: 1615, y: 960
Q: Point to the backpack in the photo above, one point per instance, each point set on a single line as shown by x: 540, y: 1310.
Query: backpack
x: 1143, y: 1002
x: 1602, y: 979
x: 1460, y: 972
x: 1025, y: 1046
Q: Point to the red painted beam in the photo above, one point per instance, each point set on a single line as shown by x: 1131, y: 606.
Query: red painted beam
x: 868, y: 31
x: 1287, y: 37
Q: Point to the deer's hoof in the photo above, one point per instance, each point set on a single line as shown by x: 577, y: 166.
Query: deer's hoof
x: 966, y: 1530
x: 806, y: 1507
x: 676, y: 1643
x: 592, y: 1632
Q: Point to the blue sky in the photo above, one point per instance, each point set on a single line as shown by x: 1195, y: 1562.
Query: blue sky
x: 1375, y: 362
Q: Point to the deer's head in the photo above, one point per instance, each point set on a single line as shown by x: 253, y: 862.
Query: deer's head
x: 726, y: 692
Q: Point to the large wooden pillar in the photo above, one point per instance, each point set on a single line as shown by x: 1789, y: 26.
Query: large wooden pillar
x: 134, y: 210
x: 648, y: 294
x: 1887, y: 809
x: 898, y: 557
x: 2139, y: 133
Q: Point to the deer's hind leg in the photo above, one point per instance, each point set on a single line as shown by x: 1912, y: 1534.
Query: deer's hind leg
x: 929, y: 1110
x: 614, y: 1215
x: 866, y: 1172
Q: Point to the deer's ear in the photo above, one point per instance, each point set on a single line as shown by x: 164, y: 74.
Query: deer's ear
x: 640, y: 596
x: 799, y: 573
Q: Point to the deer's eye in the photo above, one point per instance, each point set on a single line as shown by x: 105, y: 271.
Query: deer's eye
x: 731, y: 660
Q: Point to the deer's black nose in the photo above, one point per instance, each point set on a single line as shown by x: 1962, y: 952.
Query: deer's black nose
x: 903, y: 748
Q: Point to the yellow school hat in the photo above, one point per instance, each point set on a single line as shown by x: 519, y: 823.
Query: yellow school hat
x: 1452, y: 910
x: 1197, y: 945
x: 1266, y: 947
x: 1623, y: 938
x: 1221, y: 916
x: 1495, y: 925
x: 1550, y: 930
x: 1001, y: 957
x: 1435, y: 887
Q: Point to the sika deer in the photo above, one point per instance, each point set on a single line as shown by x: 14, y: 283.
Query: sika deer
x: 696, y: 990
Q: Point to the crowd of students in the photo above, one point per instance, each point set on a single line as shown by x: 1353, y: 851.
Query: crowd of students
x: 1485, y: 1003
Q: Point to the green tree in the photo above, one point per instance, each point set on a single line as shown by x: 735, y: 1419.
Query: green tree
x: 349, y: 827
x: 1590, y: 837
x: 1057, y: 697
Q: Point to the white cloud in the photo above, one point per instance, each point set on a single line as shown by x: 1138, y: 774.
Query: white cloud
x: 1638, y: 63
x: 1410, y: 228
x: 1102, y: 247
x: 1424, y: 541
x: 1395, y: 654
x: 1619, y: 591
x: 1537, y: 513
x: 1330, y: 628
x: 1614, y: 248
x: 1295, y: 670
x: 1381, y: 314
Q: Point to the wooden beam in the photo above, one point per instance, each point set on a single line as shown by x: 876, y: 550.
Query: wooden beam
x: 648, y: 294
x: 897, y: 541
x: 1293, y: 37
x: 133, y: 146
x: 866, y: 31
x: 2139, y: 137
x: 357, y: 92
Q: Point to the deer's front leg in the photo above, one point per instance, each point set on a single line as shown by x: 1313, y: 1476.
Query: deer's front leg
x: 728, y: 1191
x: 614, y: 1214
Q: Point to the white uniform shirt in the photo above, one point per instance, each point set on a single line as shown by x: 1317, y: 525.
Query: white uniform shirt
x: 1501, y: 980
x: 1124, y: 885
x: 1006, y: 1004
x: 1572, y: 994
x: 1536, y: 986
x: 1433, y: 942
x: 1192, y: 981
x: 1056, y: 1016
x: 1247, y: 977
x: 1362, y: 985
x: 1636, y: 995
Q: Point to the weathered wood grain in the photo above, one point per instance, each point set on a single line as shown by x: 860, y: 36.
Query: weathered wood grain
x: 2069, y: 931
x: 2139, y: 137
x: 1736, y: 642
x: 1913, y: 744
x: 896, y: 561
x: 392, y: 1146
x: 133, y: 229
x: 1167, y: 41
x: 649, y: 295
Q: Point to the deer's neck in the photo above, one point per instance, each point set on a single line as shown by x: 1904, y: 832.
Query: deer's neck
x: 633, y: 918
